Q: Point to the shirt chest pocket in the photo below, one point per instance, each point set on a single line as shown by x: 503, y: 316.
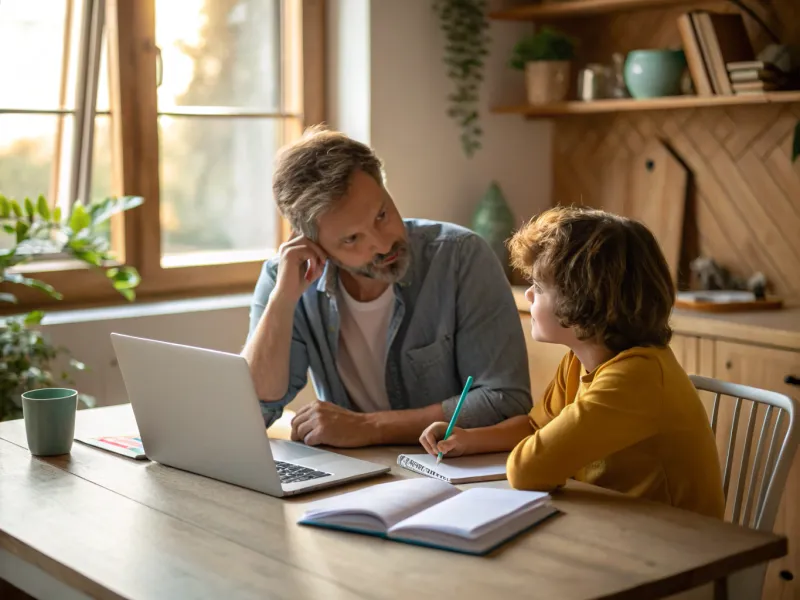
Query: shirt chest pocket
x: 434, y: 369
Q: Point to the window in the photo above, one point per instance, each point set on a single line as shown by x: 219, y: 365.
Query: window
x: 52, y: 101
x: 184, y: 103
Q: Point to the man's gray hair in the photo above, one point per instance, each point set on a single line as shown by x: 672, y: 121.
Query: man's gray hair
x: 314, y: 172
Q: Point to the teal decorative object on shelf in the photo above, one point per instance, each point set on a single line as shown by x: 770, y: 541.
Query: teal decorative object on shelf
x: 654, y: 73
x: 494, y: 222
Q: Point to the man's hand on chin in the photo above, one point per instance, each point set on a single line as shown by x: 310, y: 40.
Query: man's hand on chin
x: 331, y: 425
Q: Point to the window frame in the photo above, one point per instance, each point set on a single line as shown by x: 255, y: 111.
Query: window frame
x: 136, y: 234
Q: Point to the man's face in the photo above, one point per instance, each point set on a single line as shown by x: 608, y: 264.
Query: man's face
x: 364, y: 234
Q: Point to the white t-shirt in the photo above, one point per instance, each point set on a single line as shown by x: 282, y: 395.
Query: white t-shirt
x: 361, y: 359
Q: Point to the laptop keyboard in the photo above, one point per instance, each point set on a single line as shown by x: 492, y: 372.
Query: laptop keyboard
x: 291, y: 473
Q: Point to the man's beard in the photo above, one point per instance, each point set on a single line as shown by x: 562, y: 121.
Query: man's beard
x: 390, y: 273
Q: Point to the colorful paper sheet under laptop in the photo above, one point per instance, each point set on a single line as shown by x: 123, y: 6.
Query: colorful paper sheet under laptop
x: 126, y: 445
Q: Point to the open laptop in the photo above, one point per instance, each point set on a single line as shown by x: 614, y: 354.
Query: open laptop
x: 197, y: 410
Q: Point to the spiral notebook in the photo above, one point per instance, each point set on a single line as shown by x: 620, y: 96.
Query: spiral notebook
x: 434, y: 514
x: 464, y: 469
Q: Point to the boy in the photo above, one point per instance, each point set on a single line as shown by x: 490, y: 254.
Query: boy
x: 620, y: 413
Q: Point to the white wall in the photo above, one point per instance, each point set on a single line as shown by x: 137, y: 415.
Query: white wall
x: 407, y: 124
x: 347, y: 65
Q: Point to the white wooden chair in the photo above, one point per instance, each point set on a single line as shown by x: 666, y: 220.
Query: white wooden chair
x: 764, y: 476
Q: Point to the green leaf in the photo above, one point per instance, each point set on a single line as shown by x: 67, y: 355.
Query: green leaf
x: 796, y: 142
x: 129, y: 295
x: 88, y: 256
x: 5, y: 207
x: 42, y: 207
x: 29, y: 210
x: 103, y: 211
x: 32, y: 283
x: 22, y: 231
x: 34, y: 317
x: 79, y: 219
x: 78, y: 244
x: 6, y: 297
x: 16, y: 208
x: 123, y: 278
x: 10, y: 229
x: 57, y: 214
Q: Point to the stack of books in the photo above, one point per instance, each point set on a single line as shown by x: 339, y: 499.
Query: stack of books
x: 721, y: 58
x: 755, y: 77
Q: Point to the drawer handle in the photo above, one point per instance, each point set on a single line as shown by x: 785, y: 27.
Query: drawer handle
x: 791, y: 380
x: 786, y: 575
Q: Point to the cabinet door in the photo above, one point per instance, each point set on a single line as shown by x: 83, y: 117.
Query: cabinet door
x: 685, y: 348
x: 543, y: 359
x: 767, y: 368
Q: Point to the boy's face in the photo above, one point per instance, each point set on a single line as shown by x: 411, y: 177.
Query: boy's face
x: 544, y: 323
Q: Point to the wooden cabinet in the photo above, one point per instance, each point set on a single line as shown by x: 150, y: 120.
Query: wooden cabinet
x: 685, y: 348
x: 767, y: 368
x: 543, y: 359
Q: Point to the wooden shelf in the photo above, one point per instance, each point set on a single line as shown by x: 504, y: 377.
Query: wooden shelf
x: 581, y: 8
x: 629, y: 105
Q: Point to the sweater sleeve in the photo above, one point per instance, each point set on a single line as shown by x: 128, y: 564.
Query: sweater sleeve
x: 618, y: 409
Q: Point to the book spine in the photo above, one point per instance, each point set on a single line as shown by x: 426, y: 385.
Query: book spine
x: 694, y: 56
x: 412, y: 465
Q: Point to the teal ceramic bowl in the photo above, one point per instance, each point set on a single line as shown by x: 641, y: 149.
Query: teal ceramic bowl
x: 654, y: 73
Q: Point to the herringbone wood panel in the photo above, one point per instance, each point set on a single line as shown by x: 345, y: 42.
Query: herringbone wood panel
x: 745, y: 207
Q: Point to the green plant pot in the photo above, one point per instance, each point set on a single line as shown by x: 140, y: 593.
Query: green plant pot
x: 654, y: 73
x: 494, y: 222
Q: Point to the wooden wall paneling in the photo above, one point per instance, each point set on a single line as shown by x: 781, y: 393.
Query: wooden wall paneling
x: 744, y: 207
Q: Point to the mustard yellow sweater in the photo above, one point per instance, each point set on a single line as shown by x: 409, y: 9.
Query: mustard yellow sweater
x: 635, y: 425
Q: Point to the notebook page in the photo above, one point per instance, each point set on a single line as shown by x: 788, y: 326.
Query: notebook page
x: 388, y: 502
x: 477, y: 467
x: 472, y: 513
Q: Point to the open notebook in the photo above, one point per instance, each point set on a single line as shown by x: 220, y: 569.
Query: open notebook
x: 433, y: 513
x: 464, y: 469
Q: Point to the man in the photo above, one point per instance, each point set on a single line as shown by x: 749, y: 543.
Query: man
x: 389, y: 315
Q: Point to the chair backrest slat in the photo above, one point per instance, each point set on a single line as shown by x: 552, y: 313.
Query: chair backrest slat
x: 765, y: 477
x: 754, y: 471
x: 748, y: 439
x: 715, y: 414
x: 769, y: 468
x: 731, y: 445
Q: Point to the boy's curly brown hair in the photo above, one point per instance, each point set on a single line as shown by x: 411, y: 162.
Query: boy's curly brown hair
x: 611, y: 280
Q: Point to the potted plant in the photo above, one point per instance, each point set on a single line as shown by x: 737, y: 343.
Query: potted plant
x: 26, y: 356
x: 546, y: 57
x: 466, y: 45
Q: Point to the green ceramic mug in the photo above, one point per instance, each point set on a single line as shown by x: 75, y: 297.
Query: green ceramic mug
x: 49, y: 415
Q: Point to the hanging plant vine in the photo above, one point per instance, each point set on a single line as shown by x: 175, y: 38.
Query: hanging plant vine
x: 465, y: 26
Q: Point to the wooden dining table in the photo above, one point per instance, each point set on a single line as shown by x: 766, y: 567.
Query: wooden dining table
x: 95, y: 524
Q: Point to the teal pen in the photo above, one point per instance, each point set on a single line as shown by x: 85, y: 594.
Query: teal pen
x: 455, y: 414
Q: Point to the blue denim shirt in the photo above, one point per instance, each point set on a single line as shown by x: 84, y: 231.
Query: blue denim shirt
x: 454, y: 316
